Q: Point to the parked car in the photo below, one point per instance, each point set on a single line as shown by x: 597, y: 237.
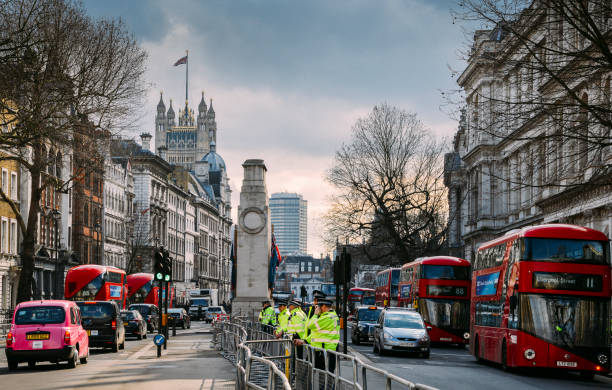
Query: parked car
x: 46, y: 331
x: 180, y: 317
x: 103, y: 323
x: 212, y: 312
x: 362, y: 323
x: 135, y: 324
x: 400, y: 329
x: 149, y: 312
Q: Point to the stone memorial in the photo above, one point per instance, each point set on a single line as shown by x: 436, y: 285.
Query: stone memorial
x: 253, y: 248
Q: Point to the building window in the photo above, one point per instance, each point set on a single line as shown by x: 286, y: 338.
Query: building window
x: 13, y: 185
x: 13, y: 237
x: 4, y: 238
x: 5, y: 181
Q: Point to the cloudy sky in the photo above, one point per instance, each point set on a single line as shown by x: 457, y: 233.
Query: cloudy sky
x: 289, y: 78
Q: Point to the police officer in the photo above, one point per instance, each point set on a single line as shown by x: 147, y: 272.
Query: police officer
x: 316, y: 295
x: 283, y: 318
x: 296, y: 327
x: 324, y: 333
x: 267, y: 316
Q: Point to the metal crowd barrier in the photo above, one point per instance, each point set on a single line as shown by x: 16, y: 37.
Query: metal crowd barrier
x: 264, y: 363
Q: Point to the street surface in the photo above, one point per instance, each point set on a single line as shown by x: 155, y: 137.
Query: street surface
x: 188, y: 363
x: 453, y: 368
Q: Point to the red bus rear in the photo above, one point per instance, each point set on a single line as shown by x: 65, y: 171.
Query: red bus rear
x: 96, y: 282
x: 386, y: 287
x: 438, y: 287
x: 357, y: 294
x: 143, y: 289
x: 541, y: 298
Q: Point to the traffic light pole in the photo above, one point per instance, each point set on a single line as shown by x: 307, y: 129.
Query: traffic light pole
x: 167, y: 317
x: 159, y: 325
x: 345, y: 271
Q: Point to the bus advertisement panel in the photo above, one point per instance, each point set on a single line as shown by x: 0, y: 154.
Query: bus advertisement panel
x: 438, y: 287
x: 96, y: 282
x: 541, y: 298
x: 387, y: 282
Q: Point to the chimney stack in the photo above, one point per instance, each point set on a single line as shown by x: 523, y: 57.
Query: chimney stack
x: 146, y: 141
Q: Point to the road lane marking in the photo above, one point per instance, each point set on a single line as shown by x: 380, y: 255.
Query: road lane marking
x: 142, y: 351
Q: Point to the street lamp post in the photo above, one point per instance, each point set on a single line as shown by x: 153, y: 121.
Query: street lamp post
x: 97, y: 230
x: 56, y: 215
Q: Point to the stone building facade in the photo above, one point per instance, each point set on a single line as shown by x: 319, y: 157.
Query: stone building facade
x: 506, y: 173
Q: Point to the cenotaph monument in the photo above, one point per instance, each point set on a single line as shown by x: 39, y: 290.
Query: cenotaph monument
x: 253, y: 248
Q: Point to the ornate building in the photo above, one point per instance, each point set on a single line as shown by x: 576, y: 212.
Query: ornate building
x: 506, y: 172
x: 188, y: 142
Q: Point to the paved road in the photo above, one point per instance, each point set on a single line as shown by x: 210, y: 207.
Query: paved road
x: 188, y: 363
x: 454, y: 368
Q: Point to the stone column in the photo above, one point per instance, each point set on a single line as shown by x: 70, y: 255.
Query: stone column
x: 253, y: 248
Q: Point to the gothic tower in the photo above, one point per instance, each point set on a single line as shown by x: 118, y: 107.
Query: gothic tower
x: 161, y: 124
x: 202, y: 132
x: 211, y: 124
x: 170, y: 116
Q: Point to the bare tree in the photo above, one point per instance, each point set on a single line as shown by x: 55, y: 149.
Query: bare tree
x: 61, y: 74
x: 551, y: 64
x: 390, y: 190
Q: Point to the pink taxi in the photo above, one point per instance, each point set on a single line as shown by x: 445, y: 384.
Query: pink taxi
x: 48, y: 330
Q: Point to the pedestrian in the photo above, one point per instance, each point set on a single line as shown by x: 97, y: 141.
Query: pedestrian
x: 296, y: 328
x: 267, y: 317
x: 324, y: 334
x: 282, y: 319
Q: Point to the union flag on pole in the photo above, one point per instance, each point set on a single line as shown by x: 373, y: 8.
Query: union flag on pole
x: 181, y: 61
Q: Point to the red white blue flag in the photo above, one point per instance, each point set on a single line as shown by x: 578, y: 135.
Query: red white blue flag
x: 181, y: 61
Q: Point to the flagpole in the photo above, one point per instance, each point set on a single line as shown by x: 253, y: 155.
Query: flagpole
x: 187, y: 78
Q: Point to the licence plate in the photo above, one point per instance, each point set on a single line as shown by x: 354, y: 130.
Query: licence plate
x: 92, y: 333
x: 38, y: 336
x: 409, y: 344
x: 125, y: 324
x: 567, y: 364
x: 37, y: 344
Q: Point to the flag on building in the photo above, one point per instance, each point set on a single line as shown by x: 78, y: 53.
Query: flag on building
x: 181, y: 61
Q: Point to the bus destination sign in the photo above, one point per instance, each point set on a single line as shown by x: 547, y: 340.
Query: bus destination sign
x: 565, y: 281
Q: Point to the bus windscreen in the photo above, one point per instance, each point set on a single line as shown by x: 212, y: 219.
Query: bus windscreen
x: 565, y: 250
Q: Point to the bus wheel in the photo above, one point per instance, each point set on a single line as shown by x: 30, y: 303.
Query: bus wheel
x: 477, y: 350
x: 504, y: 357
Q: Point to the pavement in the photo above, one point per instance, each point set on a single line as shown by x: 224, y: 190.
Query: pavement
x: 188, y: 363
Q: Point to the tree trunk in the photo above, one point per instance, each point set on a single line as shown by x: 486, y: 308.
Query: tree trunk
x: 24, y: 290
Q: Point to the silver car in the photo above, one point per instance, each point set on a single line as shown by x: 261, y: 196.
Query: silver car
x: 401, y: 330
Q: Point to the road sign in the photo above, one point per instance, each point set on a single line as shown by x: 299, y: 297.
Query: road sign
x: 159, y: 339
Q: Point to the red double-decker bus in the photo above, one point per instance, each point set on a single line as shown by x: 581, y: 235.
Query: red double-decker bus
x: 96, y: 282
x: 541, y: 298
x: 141, y: 289
x: 439, y: 288
x: 361, y: 295
x: 386, y: 287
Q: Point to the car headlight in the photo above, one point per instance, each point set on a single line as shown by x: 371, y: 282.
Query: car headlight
x: 529, y: 354
x: 424, y: 338
x: 466, y: 335
x: 361, y: 328
x: 603, y: 359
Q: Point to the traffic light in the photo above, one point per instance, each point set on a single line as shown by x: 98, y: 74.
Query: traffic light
x: 158, y: 265
x: 167, y: 267
x: 337, y: 278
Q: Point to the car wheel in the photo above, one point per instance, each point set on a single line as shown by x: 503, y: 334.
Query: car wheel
x: 31, y: 364
x: 72, y: 363
x: 122, y: 345
x: 83, y: 360
x: 477, y: 350
x: 183, y: 325
x: 115, y: 346
x: 381, y: 350
x: 375, y: 347
x: 12, y: 365
x: 355, y: 340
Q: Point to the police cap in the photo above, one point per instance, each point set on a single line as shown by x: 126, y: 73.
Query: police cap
x: 281, y: 301
x: 318, y: 294
x: 295, y: 302
x: 325, y: 301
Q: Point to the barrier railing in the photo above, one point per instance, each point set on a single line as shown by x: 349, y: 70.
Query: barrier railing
x: 263, y: 362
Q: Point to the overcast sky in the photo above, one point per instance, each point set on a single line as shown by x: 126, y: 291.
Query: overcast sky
x: 289, y: 78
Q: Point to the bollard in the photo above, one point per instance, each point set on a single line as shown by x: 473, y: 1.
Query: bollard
x: 174, y: 327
